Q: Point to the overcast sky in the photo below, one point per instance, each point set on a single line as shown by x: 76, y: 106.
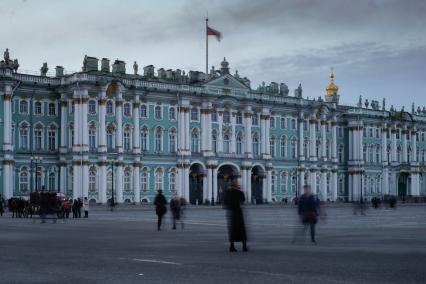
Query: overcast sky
x: 377, y: 47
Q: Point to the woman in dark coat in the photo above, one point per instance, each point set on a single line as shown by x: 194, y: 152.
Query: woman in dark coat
x: 160, y: 207
x: 236, y: 227
x: 308, y: 209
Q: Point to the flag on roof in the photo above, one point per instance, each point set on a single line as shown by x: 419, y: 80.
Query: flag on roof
x: 213, y: 32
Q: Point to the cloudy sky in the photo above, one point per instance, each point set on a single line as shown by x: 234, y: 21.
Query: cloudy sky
x: 377, y: 47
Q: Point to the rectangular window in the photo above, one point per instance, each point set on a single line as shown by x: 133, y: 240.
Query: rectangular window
x: 283, y: 123
x: 52, y: 140
x: 272, y: 122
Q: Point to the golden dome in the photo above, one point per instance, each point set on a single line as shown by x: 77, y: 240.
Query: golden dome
x: 332, y: 88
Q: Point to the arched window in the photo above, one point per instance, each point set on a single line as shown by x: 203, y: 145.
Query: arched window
x: 371, y: 155
x: 51, y: 142
x: 109, y: 184
x: 226, y: 116
x: 283, y: 147
x: 340, y: 154
x: 52, y: 109
x: 172, y: 113
x: 214, y: 141
x: 110, y: 108
x: 306, y: 147
x: 293, y: 124
x: 159, y: 179
x: 283, y: 121
x: 172, y: 181
x: 226, y: 142
x: 364, y: 153
x: 294, y: 182
x: 378, y: 150
x: 272, y: 146
x: 239, y: 118
x: 273, y: 182
x: 38, y: 108
x: 110, y: 138
x: 194, y: 141
x: 194, y: 114
x: 327, y: 148
x: 92, y: 181
x: 23, y: 180
x: 214, y: 116
x: 272, y: 122
x: 144, y: 139
x: 254, y: 119
x: 294, y: 148
x: 399, y: 153
x: 158, y: 140
x: 127, y: 181
x: 92, y: 137
x: 38, y: 137
x: 144, y: 180
x: 172, y: 140
x: 23, y: 107
x: 158, y: 114
x: 143, y: 111
x: 378, y: 184
x: 255, y: 142
x: 52, y: 181
x: 328, y: 184
x: 92, y: 107
x: 126, y: 139
x: 126, y: 110
x: 341, y: 185
x: 318, y: 147
x: 284, y: 182
x: 23, y: 136
x: 388, y: 152
x: 70, y: 180
x: 239, y: 143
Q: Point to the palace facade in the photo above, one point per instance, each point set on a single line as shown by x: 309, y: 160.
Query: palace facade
x: 103, y: 132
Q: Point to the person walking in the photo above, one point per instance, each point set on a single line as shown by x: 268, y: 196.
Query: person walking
x: 66, y: 205
x: 74, y: 208
x: 175, y: 208
x: 1, y: 205
x: 86, y: 207
x: 308, y: 209
x: 236, y: 227
x: 79, y: 205
x: 160, y: 203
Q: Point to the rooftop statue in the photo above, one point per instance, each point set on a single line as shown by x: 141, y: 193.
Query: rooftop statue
x: 366, y: 103
x: 85, y: 63
x: 298, y: 92
x: 419, y: 110
x: 135, y: 68
x: 359, y: 101
x: 402, y: 109
x: 15, y: 65
x: 6, y: 56
x: 384, y: 104
x: 413, y: 111
x: 44, y: 69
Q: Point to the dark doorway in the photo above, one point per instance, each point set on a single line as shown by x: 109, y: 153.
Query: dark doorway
x: 402, y: 185
x: 196, y: 175
x: 257, y: 176
x: 224, y: 174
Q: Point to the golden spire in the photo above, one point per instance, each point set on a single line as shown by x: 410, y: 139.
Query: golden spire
x: 332, y: 88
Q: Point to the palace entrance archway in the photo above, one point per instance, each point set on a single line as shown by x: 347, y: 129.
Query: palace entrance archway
x: 196, y: 175
x: 257, y: 176
x: 224, y: 174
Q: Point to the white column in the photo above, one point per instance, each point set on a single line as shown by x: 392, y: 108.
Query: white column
x: 208, y: 130
x: 351, y: 144
x: 334, y: 185
x: 263, y: 135
x: 312, y: 140
x: 248, y: 140
x: 393, y: 145
x: 180, y: 184
x: 301, y: 181
x: 64, y: 122
x: 220, y: 130
x: 313, y: 176
x: 136, y: 182
x: 323, y: 140
x: 7, y: 119
x: 63, y: 178
x: 102, y: 181
x: 215, y: 184
x: 205, y: 188
x: 102, y: 124
x: 334, y: 141
x: 323, y: 186
x: 77, y: 123
x: 119, y: 120
x: 136, y: 132
x: 118, y: 180
x: 187, y: 133
x: 76, y: 186
x: 203, y: 130
x: 209, y: 183
x: 181, y: 132
x: 85, y: 128
x: 233, y: 134
x: 244, y: 181
x: 404, y: 145
x: 7, y: 179
x: 350, y: 186
x: 385, y: 181
x: 267, y: 134
x: 269, y: 185
x: 414, y: 146
x: 384, y: 146
x: 301, y: 140
x: 85, y: 183
x: 186, y: 181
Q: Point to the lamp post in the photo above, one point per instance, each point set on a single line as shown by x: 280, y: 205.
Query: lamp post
x: 37, y: 160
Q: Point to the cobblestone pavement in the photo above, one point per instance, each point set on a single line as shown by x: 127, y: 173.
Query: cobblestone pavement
x: 385, y: 246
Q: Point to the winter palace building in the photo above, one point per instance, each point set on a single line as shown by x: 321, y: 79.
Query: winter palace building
x: 103, y: 132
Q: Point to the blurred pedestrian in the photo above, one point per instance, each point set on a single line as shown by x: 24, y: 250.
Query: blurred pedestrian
x: 308, y: 209
x: 66, y: 205
x: 74, y: 208
x: 236, y: 227
x: 1, y: 205
x: 86, y: 207
x: 175, y: 208
x: 79, y: 205
x: 160, y: 203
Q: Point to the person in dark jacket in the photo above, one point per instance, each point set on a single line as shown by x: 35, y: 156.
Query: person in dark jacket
x: 236, y: 227
x: 175, y: 208
x: 1, y: 205
x: 308, y: 209
x: 160, y: 203
x: 79, y: 205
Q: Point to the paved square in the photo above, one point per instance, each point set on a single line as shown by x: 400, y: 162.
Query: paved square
x: 386, y: 246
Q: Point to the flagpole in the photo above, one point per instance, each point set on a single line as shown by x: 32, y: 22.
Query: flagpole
x: 207, y: 48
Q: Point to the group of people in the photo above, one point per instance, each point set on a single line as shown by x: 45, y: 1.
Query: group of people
x: 177, y: 207
x: 75, y: 206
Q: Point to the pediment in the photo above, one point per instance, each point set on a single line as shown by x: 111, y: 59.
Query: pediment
x: 226, y: 82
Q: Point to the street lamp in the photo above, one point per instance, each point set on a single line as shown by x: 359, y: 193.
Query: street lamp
x: 36, y: 159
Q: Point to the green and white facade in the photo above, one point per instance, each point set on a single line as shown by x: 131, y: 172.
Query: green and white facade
x: 101, y: 131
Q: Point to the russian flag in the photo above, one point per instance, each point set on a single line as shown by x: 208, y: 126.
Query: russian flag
x: 213, y: 32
